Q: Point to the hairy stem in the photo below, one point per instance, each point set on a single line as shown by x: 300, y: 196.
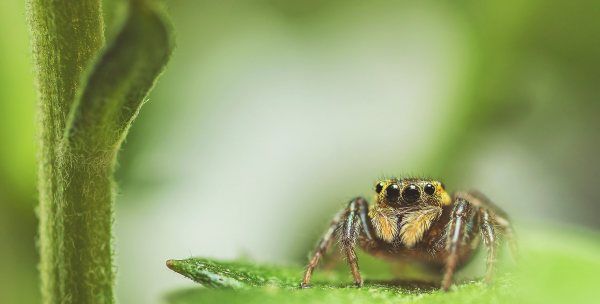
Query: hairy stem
x: 74, y: 240
x: 89, y: 96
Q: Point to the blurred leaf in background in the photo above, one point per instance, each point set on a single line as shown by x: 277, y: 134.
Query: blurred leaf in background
x: 18, y: 258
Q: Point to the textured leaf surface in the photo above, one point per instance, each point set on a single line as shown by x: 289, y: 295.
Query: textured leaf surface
x: 555, y: 268
x: 249, y: 283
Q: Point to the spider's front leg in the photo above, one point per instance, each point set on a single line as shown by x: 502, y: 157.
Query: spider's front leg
x: 471, y: 209
x: 461, y: 218
x: 346, y: 223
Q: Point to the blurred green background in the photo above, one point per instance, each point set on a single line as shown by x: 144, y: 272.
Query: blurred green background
x: 273, y: 113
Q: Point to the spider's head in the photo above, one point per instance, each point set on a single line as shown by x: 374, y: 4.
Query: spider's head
x: 408, y: 192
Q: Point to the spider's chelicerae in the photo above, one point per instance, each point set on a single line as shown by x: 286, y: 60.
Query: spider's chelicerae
x: 416, y: 219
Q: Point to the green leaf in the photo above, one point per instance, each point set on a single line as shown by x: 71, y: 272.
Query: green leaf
x: 557, y: 266
x: 233, y: 274
x: 120, y: 80
x: 244, y: 282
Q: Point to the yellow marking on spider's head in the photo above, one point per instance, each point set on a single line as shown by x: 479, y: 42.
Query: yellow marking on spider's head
x: 385, y: 223
x: 444, y: 197
x: 416, y: 223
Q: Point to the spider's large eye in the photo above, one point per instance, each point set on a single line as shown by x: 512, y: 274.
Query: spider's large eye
x: 429, y: 189
x: 411, y: 193
x: 379, y: 187
x: 392, y: 193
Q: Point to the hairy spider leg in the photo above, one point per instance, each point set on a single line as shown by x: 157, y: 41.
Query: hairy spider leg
x: 488, y: 234
x: 509, y: 234
x: 347, y: 224
x: 500, y: 219
x: 347, y: 235
x: 461, y: 216
x: 322, y: 247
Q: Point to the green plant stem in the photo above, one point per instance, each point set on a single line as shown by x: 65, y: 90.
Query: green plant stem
x: 74, y: 235
x: 84, y: 118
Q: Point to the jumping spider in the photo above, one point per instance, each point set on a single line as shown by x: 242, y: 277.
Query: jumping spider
x: 417, y: 220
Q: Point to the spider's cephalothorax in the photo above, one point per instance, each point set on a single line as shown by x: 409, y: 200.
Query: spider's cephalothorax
x: 416, y: 219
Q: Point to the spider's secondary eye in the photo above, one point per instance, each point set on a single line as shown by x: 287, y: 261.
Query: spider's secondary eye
x: 429, y: 189
x: 411, y: 193
x: 379, y: 187
x: 392, y: 192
